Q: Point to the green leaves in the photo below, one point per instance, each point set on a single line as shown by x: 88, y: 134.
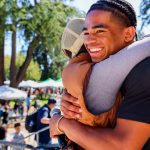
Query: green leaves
x: 33, y: 72
x: 40, y: 24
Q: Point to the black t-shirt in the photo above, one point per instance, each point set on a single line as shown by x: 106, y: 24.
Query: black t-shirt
x: 136, y: 91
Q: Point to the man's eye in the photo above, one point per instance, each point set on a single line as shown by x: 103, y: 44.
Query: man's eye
x: 85, y: 33
x: 100, y: 31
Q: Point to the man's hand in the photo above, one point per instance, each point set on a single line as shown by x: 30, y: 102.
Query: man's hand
x: 70, y: 107
x: 53, y: 126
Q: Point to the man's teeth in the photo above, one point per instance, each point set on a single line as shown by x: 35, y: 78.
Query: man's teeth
x: 95, y: 49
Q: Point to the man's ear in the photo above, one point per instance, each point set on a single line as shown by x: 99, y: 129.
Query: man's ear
x: 130, y: 34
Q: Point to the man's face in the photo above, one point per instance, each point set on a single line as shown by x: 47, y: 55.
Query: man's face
x: 18, y: 129
x: 103, y: 35
x: 52, y: 106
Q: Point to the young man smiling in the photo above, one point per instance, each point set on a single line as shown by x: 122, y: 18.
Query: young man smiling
x: 109, y: 27
x: 105, y: 34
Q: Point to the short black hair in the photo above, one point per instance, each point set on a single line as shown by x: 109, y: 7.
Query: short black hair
x: 119, y: 8
x: 17, y: 124
x: 51, y: 101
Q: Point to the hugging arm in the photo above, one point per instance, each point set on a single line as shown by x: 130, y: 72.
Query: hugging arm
x: 123, y: 136
x: 133, y: 123
x: 108, y: 75
x: 106, y: 79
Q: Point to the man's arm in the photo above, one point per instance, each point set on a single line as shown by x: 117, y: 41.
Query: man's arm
x: 44, y: 116
x: 131, y: 132
x: 45, y: 120
x: 127, y: 135
x: 105, y: 80
x: 109, y: 85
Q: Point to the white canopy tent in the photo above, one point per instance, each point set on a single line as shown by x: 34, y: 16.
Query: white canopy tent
x: 26, y: 84
x: 51, y: 83
x: 33, y: 84
x: 48, y: 83
x: 7, y: 82
x: 59, y: 84
x: 9, y: 93
x: 29, y: 83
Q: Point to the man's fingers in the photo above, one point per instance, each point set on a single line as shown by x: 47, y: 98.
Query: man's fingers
x: 71, y: 107
x: 70, y: 114
x: 67, y: 97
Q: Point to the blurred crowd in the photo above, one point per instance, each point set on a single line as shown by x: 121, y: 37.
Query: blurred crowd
x: 16, y: 110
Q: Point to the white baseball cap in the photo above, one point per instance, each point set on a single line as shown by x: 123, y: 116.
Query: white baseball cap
x: 72, y: 40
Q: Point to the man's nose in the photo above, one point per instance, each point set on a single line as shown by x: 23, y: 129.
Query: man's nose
x: 89, y: 39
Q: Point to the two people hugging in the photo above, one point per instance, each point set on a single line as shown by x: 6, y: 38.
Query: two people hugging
x: 107, y: 98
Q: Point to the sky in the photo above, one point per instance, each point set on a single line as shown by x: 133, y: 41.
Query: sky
x: 82, y: 5
x: 85, y: 4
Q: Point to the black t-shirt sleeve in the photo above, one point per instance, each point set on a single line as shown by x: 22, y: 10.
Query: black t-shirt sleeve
x: 136, y: 91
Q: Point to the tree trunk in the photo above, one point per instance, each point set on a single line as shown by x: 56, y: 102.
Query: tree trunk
x: 2, y: 73
x: 13, y: 69
x: 22, y: 70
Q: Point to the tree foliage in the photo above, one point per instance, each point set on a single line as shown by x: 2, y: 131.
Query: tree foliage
x: 33, y: 72
x: 49, y: 56
x: 51, y: 62
x: 40, y: 24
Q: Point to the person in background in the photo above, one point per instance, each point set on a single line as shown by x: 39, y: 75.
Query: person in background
x: 35, y: 104
x: 43, y: 120
x: 1, y: 114
x: 3, y: 137
x: 5, y: 116
x: 18, y: 136
x: 2, y: 133
x: 16, y: 108
x: 28, y: 101
x: 21, y: 109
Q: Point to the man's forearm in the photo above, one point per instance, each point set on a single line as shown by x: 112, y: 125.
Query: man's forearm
x: 124, y: 136
x: 90, y: 138
x: 45, y: 120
